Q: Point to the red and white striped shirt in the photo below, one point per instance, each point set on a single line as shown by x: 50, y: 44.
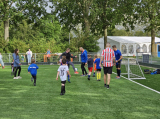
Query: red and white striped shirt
x: 108, y: 55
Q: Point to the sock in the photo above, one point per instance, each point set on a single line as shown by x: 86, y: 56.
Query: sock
x: 97, y: 76
x: 105, y: 84
x: 62, y: 89
x: 88, y: 76
x: 68, y: 77
x: 119, y: 73
x: 94, y: 73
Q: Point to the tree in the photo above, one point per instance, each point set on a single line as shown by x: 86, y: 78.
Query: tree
x: 28, y: 8
x: 110, y: 13
x: 75, y: 12
x: 148, y: 11
x: 49, y: 27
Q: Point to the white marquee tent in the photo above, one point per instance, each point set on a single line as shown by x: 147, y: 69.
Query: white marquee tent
x: 129, y: 45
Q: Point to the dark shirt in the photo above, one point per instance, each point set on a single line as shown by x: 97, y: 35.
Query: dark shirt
x: 90, y: 62
x: 68, y: 56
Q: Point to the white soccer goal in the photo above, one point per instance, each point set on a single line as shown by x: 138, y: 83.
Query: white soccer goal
x: 131, y: 69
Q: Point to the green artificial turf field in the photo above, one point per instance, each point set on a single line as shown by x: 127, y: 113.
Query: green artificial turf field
x: 84, y: 99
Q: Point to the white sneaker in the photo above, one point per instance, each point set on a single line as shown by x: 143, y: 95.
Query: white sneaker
x: 19, y: 77
x: 15, y: 78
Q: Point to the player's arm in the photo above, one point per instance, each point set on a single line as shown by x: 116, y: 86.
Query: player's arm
x: 57, y: 75
x: 114, y: 60
x: 120, y: 57
x: 28, y: 69
x: 86, y: 58
x: 101, y: 60
x: 72, y: 56
x: 37, y: 67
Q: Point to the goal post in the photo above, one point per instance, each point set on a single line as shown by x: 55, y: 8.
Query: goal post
x: 131, y: 69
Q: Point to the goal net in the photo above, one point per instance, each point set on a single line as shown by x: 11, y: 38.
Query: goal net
x: 131, y: 69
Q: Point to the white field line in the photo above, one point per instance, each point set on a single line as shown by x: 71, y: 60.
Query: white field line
x: 141, y: 84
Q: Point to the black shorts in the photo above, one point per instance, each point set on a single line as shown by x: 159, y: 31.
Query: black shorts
x: 107, y: 70
x: 118, y: 65
x: 63, y: 82
x: 98, y: 69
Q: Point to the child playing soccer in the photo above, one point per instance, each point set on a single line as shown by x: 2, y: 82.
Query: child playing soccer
x: 95, y: 57
x: 33, y: 70
x: 62, y: 72
x: 97, y: 62
x: 90, y: 66
x: 64, y: 57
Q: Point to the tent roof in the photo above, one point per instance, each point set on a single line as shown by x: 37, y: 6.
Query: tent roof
x: 133, y: 39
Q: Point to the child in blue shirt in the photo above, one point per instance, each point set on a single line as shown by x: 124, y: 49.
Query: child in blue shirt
x: 33, y: 70
x: 97, y: 62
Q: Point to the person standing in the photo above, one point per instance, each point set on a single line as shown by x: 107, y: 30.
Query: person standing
x: 90, y: 66
x: 95, y: 57
x: 1, y: 61
x: 118, y: 57
x: 107, y: 57
x: 97, y: 62
x: 16, y: 64
x: 84, y: 59
x: 48, y: 55
x: 29, y: 55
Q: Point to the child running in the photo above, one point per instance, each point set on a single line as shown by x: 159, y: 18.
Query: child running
x: 62, y: 72
x: 90, y: 66
x: 64, y: 57
x: 95, y: 57
x: 97, y: 62
x: 33, y: 70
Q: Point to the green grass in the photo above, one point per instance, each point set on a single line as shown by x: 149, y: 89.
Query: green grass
x: 152, y: 81
x: 84, y: 99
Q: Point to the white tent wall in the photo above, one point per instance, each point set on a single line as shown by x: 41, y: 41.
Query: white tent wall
x: 129, y: 45
x: 101, y: 44
x: 114, y: 43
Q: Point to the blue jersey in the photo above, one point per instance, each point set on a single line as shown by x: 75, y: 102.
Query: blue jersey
x: 49, y: 52
x: 33, y: 69
x: 97, y: 61
x: 118, y: 54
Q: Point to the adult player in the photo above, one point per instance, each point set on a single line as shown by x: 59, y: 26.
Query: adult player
x: 118, y: 57
x: 107, y: 57
x: 84, y: 58
x: 68, y: 57
x: 1, y: 61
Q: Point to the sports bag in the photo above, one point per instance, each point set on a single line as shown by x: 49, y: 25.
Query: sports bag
x: 147, y: 71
